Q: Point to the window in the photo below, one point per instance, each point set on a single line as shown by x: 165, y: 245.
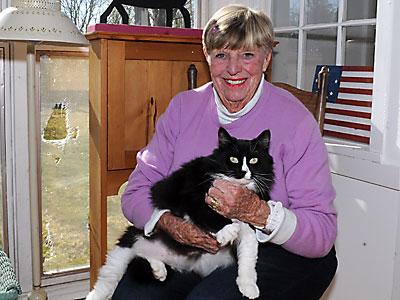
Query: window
x: 64, y: 102
x: 88, y: 12
x: 328, y: 32
x: 64, y: 159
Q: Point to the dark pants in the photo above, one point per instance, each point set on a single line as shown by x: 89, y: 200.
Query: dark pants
x: 280, y: 275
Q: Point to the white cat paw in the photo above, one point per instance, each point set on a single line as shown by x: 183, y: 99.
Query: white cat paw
x: 248, y: 288
x: 94, y: 296
x: 159, y: 269
x: 228, y: 234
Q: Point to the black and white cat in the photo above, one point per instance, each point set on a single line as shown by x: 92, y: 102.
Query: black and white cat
x: 246, y: 162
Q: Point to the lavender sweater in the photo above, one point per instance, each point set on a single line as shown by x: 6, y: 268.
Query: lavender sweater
x: 188, y: 129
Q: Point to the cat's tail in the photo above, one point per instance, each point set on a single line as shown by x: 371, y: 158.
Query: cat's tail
x: 111, y: 273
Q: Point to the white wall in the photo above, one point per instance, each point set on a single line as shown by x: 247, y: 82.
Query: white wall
x: 367, y: 243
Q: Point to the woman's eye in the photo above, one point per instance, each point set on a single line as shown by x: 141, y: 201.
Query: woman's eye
x: 233, y: 159
x: 220, y: 55
x: 253, y: 161
x: 248, y: 55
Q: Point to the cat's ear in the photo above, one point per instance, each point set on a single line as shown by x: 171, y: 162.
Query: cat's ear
x: 223, y: 137
x: 263, y: 139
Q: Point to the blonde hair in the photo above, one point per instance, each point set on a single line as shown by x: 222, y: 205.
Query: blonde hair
x: 237, y: 27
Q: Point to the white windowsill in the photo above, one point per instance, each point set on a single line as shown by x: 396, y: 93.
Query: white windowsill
x: 358, y: 162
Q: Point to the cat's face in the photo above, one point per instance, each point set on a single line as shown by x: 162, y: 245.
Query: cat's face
x: 246, y: 162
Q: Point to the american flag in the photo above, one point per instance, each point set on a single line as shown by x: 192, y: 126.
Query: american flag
x: 349, y: 102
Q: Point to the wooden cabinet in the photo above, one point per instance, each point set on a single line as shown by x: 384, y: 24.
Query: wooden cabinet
x: 134, y: 73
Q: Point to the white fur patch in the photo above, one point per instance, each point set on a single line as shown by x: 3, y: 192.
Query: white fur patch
x: 111, y: 273
x: 245, y: 168
x: 247, y: 251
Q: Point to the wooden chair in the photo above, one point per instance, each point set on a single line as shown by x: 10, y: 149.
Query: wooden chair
x: 314, y: 101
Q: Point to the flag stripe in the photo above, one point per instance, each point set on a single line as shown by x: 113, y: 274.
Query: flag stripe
x: 354, y: 102
x: 355, y: 91
x: 347, y: 119
x: 345, y: 136
x: 354, y: 97
x: 348, y: 124
x: 357, y: 79
x: 358, y: 85
x: 348, y: 130
x: 349, y: 107
x: 358, y: 68
x: 348, y: 113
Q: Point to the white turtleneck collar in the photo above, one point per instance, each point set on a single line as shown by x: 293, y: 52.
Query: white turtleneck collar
x: 226, y: 117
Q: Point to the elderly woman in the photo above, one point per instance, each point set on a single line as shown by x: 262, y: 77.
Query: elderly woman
x: 297, y: 229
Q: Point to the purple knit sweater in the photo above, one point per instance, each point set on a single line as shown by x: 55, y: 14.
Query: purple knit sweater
x: 188, y: 129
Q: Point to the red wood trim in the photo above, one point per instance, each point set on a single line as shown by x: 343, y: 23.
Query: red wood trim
x: 355, y: 91
x: 354, y: 102
x: 357, y: 79
x: 358, y: 68
x: 348, y: 124
x: 358, y: 114
x: 347, y: 136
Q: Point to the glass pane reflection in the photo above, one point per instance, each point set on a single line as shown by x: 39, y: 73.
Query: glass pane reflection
x: 320, y: 49
x: 285, y: 13
x: 357, y: 9
x: 284, y: 63
x: 360, y: 46
x: 321, y: 11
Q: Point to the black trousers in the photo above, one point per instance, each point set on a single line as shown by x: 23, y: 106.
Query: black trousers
x: 280, y: 275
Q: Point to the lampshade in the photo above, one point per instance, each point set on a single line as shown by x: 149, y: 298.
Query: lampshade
x: 38, y: 21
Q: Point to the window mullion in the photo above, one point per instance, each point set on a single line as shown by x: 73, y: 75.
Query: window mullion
x: 301, y: 45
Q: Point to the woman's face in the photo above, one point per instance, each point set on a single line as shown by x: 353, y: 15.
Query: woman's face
x: 236, y: 74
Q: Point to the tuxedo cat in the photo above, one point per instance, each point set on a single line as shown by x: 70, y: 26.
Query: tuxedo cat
x: 246, y: 162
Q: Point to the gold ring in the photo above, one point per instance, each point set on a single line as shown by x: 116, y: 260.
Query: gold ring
x: 214, y: 204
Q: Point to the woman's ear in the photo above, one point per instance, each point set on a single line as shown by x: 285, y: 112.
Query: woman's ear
x: 267, y: 60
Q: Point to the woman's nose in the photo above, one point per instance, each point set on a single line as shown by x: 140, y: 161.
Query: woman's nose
x: 234, y: 65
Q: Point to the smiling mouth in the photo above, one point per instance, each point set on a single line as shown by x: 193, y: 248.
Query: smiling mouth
x: 236, y: 82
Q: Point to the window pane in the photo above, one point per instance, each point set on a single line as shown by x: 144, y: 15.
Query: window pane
x: 357, y: 9
x: 320, y: 49
x: 360, y: 46
x: 321, y: 11
x: 136, y: 15
x: 285, y: 13
x: 284, y: 62
x: 65, y: 161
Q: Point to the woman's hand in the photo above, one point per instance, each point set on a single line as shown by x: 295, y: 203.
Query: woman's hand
x: 235, y: 201
x: 187, y: 233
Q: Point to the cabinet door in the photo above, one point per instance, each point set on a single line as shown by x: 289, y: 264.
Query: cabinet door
x: 141, y: 84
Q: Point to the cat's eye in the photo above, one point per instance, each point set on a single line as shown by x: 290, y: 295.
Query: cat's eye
x: 253, y: 161
x: 233, y: 159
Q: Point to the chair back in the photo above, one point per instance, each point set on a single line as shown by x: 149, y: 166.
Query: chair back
x: 315, y: 102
